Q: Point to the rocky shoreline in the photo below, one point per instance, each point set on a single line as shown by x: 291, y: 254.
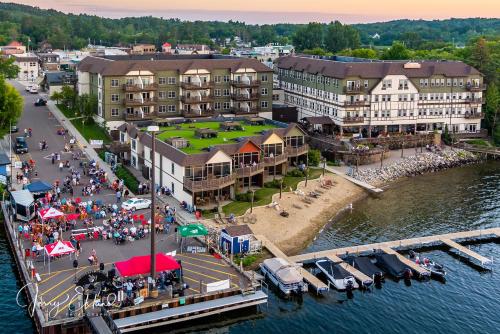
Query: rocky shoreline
x: 416, y: 165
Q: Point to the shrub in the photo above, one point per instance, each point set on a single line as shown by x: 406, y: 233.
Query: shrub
x: 273, y: 184
x: 314, y: 157
x: 128, y: 178
x: 296, y: 173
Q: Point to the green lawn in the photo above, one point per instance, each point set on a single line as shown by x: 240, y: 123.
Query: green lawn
x: 196, y: 145
x: 478, y: 142
x: 263, y: 196
x: 87, y: 130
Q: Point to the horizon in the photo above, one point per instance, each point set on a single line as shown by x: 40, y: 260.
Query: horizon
x: 117, y: 10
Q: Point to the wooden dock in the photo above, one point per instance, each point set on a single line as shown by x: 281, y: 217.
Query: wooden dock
x: 358, y: 275
x: 312, y: 280
x: 463, y: 250
x: 409, y: 244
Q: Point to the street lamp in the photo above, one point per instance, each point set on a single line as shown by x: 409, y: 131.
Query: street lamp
x: 153, y: 129
x: 251, y: 204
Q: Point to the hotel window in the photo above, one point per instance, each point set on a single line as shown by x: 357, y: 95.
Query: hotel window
x: 217, y: 105
x: 114, y: 97
x: 226, y: 105
x: 171, y: 94
x: 433, y: 82
x: 172, y: 108
x: 227, y: 78
x: 172, y: 80
x: 162, y: 81
x: 217, y: 92
x: 263, y: 78
x: 134, y: 145
x: 366, y: 83
x: 264, y: 91
x: 145, y: 110
x: 442, y: 82
x: 218, y: 79
x: 455, y: 82
x: 130, y: 81
x: 114, y: 112
x: 162, y: 95
x: 114, y: 82
x: 225, y: 92
x: 162, y: 109
x: 263, y: 104
x: 448, y: 82
x: 461, y: 82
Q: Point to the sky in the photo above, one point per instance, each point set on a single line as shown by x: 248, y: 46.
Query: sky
x: 278, y: 11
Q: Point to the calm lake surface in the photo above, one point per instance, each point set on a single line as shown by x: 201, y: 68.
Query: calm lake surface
x: 469, y: 302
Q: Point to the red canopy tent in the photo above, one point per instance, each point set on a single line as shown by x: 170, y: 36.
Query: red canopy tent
x: 58, y: 248
x: 141, y: 265
x: 50, y: 213
x: 72, y: 216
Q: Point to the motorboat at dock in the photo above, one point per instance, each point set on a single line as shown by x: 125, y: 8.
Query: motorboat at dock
x: 393, y: 266
x: 338, y: 276
x: 436, y: 269
x: 366, y: 265
x: 284, y: 275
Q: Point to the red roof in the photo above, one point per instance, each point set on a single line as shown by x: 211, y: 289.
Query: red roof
x: 167, y: 44
x: 141, y: 265
x: 15, y: 43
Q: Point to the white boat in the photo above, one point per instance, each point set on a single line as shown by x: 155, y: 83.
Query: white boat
x: 338, y: 276
x: 284, y: 275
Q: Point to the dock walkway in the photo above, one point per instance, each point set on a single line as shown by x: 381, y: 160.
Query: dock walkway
x: 464, y: 250
x: 312, y: 280
x: 358, y: 275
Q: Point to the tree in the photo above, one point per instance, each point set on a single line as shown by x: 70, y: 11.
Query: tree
x: 11, y: 106
x: 396, y: 52
x: 87, y: 106
x: 496, y: 135
x: 68, y: 96
x: 364, y: 53
x: 314, y: 157
x: 339, y: 37
x: 317, y: 52
x: 7, y: 67
x: 309, y: 36
x: 56, y: 96
x: 482, y: 59
x: 492, y: 106
x: 412, y: 39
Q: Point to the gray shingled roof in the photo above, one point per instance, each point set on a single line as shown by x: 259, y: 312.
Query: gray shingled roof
x: 110, y: 67
x: 375, y: 70
x: 238, y: 230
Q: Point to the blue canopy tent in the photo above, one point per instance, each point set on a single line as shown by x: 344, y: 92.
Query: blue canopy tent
x: 38, y: 188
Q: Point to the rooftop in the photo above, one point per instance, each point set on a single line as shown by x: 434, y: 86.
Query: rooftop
x: 196, y: 145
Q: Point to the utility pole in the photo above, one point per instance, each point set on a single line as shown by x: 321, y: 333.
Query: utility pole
x: 153, y: 129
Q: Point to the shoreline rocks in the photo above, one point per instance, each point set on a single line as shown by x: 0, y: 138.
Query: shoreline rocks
x: 416, y: 165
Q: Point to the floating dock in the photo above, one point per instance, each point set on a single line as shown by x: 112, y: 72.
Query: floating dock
x: 463, y: 250
x: 358, y: 275
x: 422, y: 272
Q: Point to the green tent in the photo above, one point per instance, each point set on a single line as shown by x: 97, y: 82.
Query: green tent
x: 193, y: 230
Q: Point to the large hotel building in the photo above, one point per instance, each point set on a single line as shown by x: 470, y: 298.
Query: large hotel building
x: 373, y: 97
x: 147, y: 87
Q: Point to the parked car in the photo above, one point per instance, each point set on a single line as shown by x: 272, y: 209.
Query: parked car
x: 14, y: 129
x: 136, y: 204
x: 28, y: 87
x: 34, y: 89
x: 21, y: 146
x: 40, y: 102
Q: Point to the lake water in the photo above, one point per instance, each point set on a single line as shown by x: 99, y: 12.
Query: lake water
x: 453, y: 200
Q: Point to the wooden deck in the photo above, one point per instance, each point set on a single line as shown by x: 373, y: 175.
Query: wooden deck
x: 312, y: 280
x: 410, y: 243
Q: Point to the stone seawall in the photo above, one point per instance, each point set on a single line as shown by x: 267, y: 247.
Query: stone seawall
x: 416, y: 165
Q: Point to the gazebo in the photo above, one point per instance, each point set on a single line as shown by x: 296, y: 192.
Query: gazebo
x: 230, y: 126
x: 58, y: 248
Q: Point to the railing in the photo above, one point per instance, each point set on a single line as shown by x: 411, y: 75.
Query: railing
x: 193, y: 114
x: 476, y: 100
x: 242, y: 84
x: 245, y: 97
x: 198, y: 85
x: 139, y: 117
x: 475, y: 88
x: 243, y: 111
x: 196, y: 99
x: 351, y: 120
x: 475, y: 115
x: 355, y: 90
x: 140, y: 102
x: 250, y: 170
x: 296, y: 151
x: 209, y: 184
x: 139, y: 87
x: 276, y: 160
x: 356, y: 103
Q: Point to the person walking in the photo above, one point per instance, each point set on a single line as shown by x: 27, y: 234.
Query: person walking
x: 53, y: 157
x: 61, y: 165
x: 118, y: 196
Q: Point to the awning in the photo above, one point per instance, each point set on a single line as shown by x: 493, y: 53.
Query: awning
x: 39, y: 187
x: 141, y: 265
x: 50, y: 213
x: 192, y: 230
x: 59, y: 248
x: 22, y: 197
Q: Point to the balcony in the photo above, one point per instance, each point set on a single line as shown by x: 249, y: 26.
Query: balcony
x: 356, y: 103
x: 139, y: 117
x: 245, y: 97
x: 477, y: 100
x: 475, y: 88
x: 355, y: 90
x: 197, y: 113
x: 196, y: 99
x: 276, y: 160
x: 245, y: 111
x: 197, y: 85
x: 139, y: 102
x: 246, y: 83
x: 209, y: 184
x: 296, y: 151
x: 139, y: 87
x: 353, y: 120
x: 250, y: 170
x: 474, y: 115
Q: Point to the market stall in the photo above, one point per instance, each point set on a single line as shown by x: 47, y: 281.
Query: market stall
x: 58, y: 248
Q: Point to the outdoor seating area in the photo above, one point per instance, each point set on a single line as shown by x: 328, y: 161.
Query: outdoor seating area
x: 205, y: 133
x: 231, y: 126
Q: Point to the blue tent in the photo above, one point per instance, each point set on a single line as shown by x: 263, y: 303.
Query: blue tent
x: 39, y: 187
